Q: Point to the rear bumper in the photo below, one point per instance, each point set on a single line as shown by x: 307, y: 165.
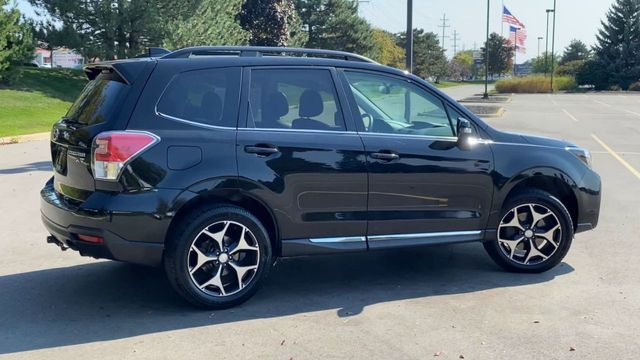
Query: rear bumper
x: 133, y: 226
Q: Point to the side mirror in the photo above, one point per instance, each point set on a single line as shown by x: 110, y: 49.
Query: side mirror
x: 465, y: 133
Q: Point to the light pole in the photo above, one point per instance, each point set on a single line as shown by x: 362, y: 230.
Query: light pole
x: 553, y: 43
x: 409, y: 45
x: 539, y: 38
x: 486, y: 56
x: 546, y: 47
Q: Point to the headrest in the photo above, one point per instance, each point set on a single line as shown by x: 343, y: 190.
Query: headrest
x: 310, y: 104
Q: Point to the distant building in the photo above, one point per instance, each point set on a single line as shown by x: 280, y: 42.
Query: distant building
x: 62, y: 58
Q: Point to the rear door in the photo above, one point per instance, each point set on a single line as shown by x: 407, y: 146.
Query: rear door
x: 299, y: 156
x: 423, y: 188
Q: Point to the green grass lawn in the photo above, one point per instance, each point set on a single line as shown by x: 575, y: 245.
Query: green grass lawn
x: 38, y: 99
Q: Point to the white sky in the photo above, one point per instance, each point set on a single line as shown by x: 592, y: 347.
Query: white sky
x: 576, y: 19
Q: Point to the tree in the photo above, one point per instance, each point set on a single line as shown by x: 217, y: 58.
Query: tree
x: 500, y: 54
x: 577, y: 50
x: 429, y: 60
x: 16, y: 42
x: 111, y: 29
x: 542, y: 63
x: 271, y: 23
x: 618, y: 43
x: 461, y: 66
x: 386, y: 50
x: 212, y: 23
x: 572, y: 68
x: 335, y: 24
x: 593, y: 74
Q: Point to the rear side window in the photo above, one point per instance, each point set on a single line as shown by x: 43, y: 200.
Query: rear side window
x: 294, y: 99
x: 99, y: 100
x: 207, y: 97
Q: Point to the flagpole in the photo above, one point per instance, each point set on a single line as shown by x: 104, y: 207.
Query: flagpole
x: 502, y: 20
x: 515, y: 50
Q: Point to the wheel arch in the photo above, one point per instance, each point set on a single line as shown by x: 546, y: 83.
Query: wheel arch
x: 550, y: 180
x: 256, y: 207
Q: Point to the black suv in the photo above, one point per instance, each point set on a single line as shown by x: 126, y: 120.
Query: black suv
x: 214, y: 161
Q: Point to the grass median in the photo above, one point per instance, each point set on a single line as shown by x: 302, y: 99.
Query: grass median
x: 38, y: 99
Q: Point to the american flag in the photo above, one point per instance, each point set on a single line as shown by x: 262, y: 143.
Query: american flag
x: 508, y: 17
x: 518, y: 36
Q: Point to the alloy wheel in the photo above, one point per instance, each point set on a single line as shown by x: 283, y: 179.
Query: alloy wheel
x: 529, y: 234
x: 223, y: 258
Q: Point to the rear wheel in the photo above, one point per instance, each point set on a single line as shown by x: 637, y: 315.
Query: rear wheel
x: 534, y: 235
x: 218, y: 258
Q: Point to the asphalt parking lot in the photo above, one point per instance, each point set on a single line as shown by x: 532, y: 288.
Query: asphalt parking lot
x: 444, y: 302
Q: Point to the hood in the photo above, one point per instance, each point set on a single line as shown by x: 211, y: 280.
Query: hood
x: 546, y: 141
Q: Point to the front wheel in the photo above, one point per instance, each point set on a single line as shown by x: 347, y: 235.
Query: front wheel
x: 218, y: 258
x: 534, y: 235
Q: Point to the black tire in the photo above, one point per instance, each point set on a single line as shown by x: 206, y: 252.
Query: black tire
x: 176, y: 255
x: 567, y: 232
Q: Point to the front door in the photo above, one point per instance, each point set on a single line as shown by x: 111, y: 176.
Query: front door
x: 423, y: 188
x: 299, y: 156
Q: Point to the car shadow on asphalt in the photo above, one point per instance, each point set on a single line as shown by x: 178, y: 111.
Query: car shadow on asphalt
x: 34, y: 166
x: 109, y: 300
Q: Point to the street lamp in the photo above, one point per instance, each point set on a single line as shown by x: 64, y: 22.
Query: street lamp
x: 553, y: 43
x: 546, y: 47
x: 539, y: 38
x: 486, y: 56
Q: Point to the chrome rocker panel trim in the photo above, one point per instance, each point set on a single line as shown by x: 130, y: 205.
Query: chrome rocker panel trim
x: 332, y: 245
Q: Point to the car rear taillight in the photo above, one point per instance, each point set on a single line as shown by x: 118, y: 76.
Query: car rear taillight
x: 112, y: 150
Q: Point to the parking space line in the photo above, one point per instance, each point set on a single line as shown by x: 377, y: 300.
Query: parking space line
x: 616, y: 156
x: 635, y: 153
x: 569, y: 115
x: 633, y: 112
x: 602, y: 103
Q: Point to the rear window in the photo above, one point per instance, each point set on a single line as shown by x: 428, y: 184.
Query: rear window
x: 99, y: 100
x: 207, y: 97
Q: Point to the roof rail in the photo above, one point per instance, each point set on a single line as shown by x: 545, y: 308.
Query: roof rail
x: 257, y: 51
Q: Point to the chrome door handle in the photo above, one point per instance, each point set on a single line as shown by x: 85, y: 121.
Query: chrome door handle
x: 385, y: 155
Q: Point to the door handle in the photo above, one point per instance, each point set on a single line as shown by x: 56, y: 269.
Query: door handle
x: 262, y: 149
x: 386, y: 155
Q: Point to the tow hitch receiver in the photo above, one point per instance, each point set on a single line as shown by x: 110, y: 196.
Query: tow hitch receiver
x: 53, y: 240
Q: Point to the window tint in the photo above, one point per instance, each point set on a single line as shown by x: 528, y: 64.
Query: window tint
x: 294, y: 99
x: 393, y: 106
x: 208, y: 97
x: 99, y: 100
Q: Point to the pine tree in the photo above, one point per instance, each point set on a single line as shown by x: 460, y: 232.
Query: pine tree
x: 429, y: 61
x: 577, y: 50
x: 213, y: 23
x: 16, y: 43
x: 110, y: 29
x: 336, y: 25
x: 270, y: 22
x: 618, y: 44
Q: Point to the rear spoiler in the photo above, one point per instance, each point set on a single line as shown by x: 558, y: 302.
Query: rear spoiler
x: 125, y: 71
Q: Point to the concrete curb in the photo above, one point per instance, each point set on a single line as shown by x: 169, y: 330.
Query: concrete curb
x: 24, y: 138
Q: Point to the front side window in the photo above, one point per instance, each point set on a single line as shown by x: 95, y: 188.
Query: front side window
x: 294, y: 99
x: 207, y: 97
x: 393, y: 106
